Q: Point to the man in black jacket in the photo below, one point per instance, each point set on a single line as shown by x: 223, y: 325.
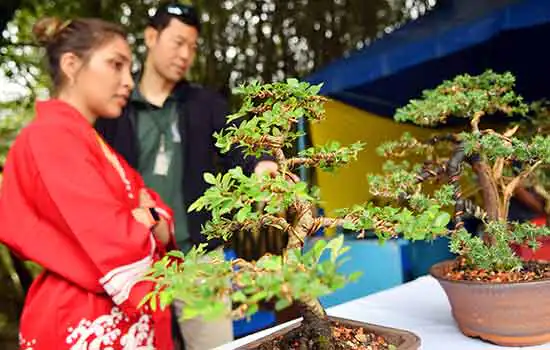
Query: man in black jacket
x: 166, y: 133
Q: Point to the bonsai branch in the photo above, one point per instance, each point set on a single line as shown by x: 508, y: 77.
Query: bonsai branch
x: 475, y: 121
x: 281, y: 224
x: 298, y: 161
x: 431, y: 170
x: 313, y: 160
x: 443, y: 138
x: 331, y: 222
x: 265, y: 141
x: 378, y: 224
x: 512, y: 185
x: 466, y: 208
x: 541, y: 191
x: 279, y: 156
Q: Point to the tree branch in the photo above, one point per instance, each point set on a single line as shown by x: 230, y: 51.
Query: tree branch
x: 431, y: 172
x: 475, y: 121
x: 298, y: 161
x: 443, y: 138
x: 265, y: 141
x: 313, y: 160
x: 281, y: 224
x: 279, y: 156
x: 378, y: 224
x: 512, y: 185
x: 329, y: 222
x: 498, y: 167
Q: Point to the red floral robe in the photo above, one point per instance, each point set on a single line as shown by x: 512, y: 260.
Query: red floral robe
x: 66, y: 203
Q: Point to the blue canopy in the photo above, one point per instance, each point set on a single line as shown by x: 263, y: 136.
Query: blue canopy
x: 458, y: 36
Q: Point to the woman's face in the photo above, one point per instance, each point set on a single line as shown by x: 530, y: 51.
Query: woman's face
x: 103, y: 84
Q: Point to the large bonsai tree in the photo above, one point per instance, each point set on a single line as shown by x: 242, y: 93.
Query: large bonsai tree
x: 269, y: 114
x: 499, y: 161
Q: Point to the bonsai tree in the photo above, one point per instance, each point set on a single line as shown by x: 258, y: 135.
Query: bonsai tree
x: 499, y: 161
x: 268, y: 117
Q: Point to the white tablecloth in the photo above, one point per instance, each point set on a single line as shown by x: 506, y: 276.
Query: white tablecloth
x: 420, y: 306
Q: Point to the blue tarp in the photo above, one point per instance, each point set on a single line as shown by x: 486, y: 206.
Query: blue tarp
x: 458, y: 36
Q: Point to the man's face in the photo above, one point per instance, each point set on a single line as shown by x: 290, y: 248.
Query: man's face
x: 172, y: 50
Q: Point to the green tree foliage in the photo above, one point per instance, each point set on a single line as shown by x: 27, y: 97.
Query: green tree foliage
x: 500, y: 162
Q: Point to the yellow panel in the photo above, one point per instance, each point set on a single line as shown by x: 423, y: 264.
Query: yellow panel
x: 346, y: 124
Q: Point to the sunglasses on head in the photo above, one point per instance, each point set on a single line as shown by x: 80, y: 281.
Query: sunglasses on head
x: 187, y: 13
x: 180, y: 10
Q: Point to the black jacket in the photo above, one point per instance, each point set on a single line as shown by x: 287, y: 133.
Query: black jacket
x: 201, y: 113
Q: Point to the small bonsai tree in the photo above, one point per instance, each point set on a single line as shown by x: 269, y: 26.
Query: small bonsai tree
x: 270, y: 113
x: 499, y: 161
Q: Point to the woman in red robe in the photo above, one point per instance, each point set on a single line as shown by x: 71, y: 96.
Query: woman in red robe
x: 71, y: 204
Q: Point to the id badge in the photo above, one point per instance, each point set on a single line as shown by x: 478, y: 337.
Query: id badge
x: 162, y: 160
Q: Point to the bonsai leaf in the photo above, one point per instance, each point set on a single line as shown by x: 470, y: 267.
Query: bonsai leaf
x: 165, y: 299
x: 442, y: 219
x: 282, y: 304
x: 270, y: 262
x: 318, y: 248
x: 209, y: 179
x: 355, y: 276
x: 243, y: 213
x: 335, y: 246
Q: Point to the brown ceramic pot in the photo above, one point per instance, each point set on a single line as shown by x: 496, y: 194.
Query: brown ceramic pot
x: 404, y: 340
x: 508, y: 314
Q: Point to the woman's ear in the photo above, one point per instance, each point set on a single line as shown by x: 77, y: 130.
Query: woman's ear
x: 70, y: 64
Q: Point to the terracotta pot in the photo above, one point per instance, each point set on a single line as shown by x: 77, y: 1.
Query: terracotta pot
x: 404, y: 340
x: 508, y: 314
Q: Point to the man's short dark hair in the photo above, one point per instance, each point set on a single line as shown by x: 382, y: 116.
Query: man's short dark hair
x: 185, y: 13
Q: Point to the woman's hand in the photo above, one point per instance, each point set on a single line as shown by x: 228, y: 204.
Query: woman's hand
x: 162, y: 231
x: 142, y: 214
x: 145, y: 200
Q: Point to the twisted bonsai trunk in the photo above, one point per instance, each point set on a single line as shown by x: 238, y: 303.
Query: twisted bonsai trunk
x: 316, y: 330
x: 492, y: 210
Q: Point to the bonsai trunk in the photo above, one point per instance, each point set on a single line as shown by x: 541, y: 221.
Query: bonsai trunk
x: 316, y: 331
x: 489, y: 191
x: 315, y: 328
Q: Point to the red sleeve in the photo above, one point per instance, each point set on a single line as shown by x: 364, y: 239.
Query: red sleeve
x: 82, y: 204
x: 162, y: 209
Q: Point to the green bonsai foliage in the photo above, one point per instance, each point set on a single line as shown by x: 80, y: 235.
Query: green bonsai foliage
x: 499, y: 160
x: 270, y: 114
